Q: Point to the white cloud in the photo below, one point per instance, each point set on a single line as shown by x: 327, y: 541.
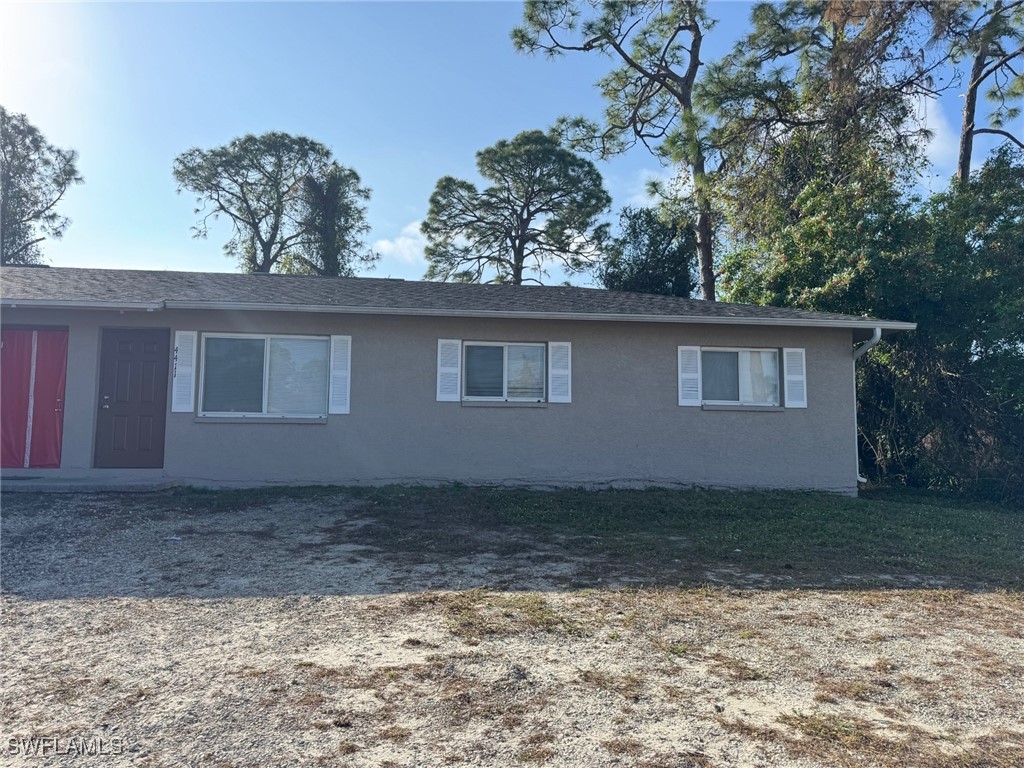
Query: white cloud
x: 671, y: 178
x: 402, y: 256
x: 407, y: 248
x: 636, y: 188
x: 941, y: 150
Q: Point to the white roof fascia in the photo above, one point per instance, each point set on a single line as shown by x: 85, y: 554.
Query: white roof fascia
x: 503, y: 314
x: 509, y: 314
x: 140, y: 306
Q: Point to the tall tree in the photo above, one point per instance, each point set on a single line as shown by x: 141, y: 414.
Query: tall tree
x: 257, y: 183
x: 815, y: 113
x: 815, y: 92
x: 649, y: 255
x: 650, y: 94
x: 943, y: 406
x: 34, y: 175
x: 991, y: 37
x: 542, y: 206
x: 334, y: 221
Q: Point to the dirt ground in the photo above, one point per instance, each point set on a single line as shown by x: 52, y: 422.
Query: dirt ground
x: 282, y: 634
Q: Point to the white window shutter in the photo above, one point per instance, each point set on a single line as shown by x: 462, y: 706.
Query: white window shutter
x: 449, y: 365
x: 689, y: 376
x: 183, y: 382
x: 794, y: 366
x: 559, y: 372
x: 341, y: 375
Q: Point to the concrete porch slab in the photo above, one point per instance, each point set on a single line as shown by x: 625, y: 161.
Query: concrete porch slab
x: 62, y: 484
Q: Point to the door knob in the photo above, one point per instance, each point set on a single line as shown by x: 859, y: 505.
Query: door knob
x: 104, y: 406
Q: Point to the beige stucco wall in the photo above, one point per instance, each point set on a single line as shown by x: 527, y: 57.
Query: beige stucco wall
x: 623, y: 427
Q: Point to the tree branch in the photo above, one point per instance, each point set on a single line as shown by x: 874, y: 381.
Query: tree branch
x: 1003, y: 60
x: 1000, y: 132
x: 21, y: 249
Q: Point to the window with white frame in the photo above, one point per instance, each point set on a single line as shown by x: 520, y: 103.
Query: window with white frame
x: 740, y: 376
x: 503, y: 371
x: 736, y: 376
x: 265, y: 375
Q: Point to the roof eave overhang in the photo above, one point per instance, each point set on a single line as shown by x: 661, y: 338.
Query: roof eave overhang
x: 887, y: 325
x: 124, y: 306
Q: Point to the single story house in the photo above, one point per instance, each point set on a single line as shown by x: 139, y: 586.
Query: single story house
x: 237, y: 378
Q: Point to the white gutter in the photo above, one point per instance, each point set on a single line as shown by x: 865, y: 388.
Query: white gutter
x: 512, y: 315
x: 875, y: 338
x: 141, y: 306
x: 858, y: 353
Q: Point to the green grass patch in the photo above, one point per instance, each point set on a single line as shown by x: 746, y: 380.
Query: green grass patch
x: 662, y: 534
x: 785, y: 533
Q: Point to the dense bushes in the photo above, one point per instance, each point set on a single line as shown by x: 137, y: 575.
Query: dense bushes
x: 943, y: 406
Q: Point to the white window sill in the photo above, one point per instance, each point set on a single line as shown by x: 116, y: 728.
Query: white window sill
x: 738, y: 407
x: 502, y: 404
x: 258, y: 420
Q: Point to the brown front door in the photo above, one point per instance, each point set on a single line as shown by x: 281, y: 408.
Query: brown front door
x: 133, y: 397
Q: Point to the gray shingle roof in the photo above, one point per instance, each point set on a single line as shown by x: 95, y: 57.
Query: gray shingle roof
x: 157, y: 290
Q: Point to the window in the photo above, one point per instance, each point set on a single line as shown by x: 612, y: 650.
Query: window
x: 503, y: 372
x: 497, y: 371
x: 269, y: 376
x: 740, y: 376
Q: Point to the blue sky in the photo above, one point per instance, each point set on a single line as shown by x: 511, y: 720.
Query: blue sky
x: 403, y: 92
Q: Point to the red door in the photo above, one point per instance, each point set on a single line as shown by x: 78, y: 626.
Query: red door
x: 33, y: 369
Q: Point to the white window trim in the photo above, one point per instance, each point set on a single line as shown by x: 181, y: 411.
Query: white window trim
x: 266, y: 378
x: 745, y: 403
x: 504, y: 370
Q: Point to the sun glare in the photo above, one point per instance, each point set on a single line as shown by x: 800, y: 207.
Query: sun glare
x: 39, y: 75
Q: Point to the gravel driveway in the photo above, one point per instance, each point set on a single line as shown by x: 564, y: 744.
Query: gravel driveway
x: 282, y: 634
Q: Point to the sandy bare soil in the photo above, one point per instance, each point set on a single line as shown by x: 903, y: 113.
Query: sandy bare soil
x: 279, y: 635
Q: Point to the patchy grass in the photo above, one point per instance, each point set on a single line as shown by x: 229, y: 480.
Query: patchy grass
x: 535, y: 755
x: 830, y: 729
x: 735, y: 669
x: 661, y: 536
x: 476, y: 614
x: 629, y: 687
x: 836, y: 691
x: 629, y: 747
x: 850, y: 741
x: 673, y: 536
x: 347, y: 748
x: 408, y: 626
x: 672, y: 647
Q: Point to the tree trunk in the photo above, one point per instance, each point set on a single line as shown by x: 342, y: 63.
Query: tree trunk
x: 517, y: 273
x: 963, y: 165
x: 268, y: 258
x: 698, y: 171
x: 5, y: 234
x: 704, y: 230
x: 705, y: 255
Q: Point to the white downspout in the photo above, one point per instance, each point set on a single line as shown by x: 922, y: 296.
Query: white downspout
x: 876, y: 336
